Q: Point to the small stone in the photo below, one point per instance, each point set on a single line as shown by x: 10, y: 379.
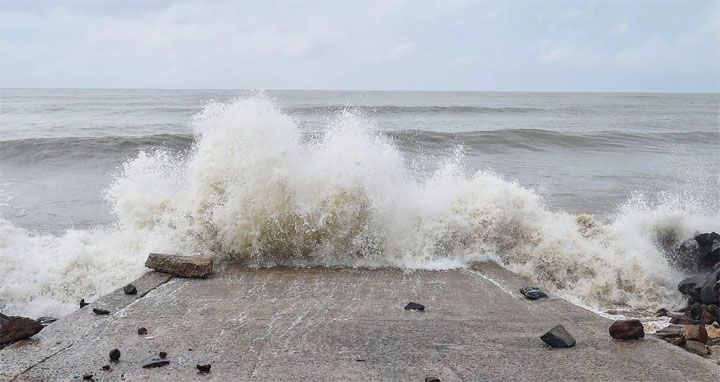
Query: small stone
x: 696, y: 347
x: 696, y: 333
x: 432, y: 379
x: 182, y: 266
x: 415, y: 307
x: 19, y: 328
x: 155, y: 363
x: 130, y: 289
x: 83, y: 303
x: 106, y: 367
x: 558, y: 337
x: 114, y: 355
x: 204, y: 368
x: 662, y: 312
x: 163, y: 354
x: 100, y: 311
x: 627, y: 330
x: 88, y: 377
x: 142, y: 331
x: 45, y: 321
x: 533, y: 293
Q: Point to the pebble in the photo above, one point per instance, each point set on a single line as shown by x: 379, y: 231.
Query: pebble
x: 106, y: 367
x: 204, y: 368
x: 533, y: 293
x: 100, y: 311
x: 558, y: 337
x: 155, y: 363
x: 415, y: 307
x: 142, y: 331
x: 83, y: 303
x: 130, y: 289
x: 163, y: 355
x: 114, y: 355
x: 432, y: 379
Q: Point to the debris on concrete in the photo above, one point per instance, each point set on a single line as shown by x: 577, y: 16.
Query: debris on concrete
x: 83, y: 303
x: 19, y: 328
x: 163, y: 354
x: 155, y: 363
x: 204, y: 368
x: 432, y: 379
x: 558, y: 337
x: 130, y: 289
x: 627, y: 330
x: 533, y: 293
x: 182, y: 266
x: 100, y: 312
x: 114, y: 354
x: 142, y: 331
x: 106, y: 367
x: 415, y: 307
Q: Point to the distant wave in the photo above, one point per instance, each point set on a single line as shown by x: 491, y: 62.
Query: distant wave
x: 365, y: 109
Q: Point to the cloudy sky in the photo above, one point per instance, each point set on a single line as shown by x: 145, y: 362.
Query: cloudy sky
x: 415, y: 45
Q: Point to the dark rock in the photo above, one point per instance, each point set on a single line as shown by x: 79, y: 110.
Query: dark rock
x: 99, y: 311
x: 130, y: 289
x: 204, y: 368
x: 18, y: 328
x: 182, y: 266
x: 432, y: 379
x: 705, y: 240
x: 106, y: 367
x: 415, y: 306
x: 163, y: 354
x: 114, y: 355
x: 680, y: 341
x: 83, y: 303
x: 670, y: 332
x: 713, y: 309
x: 696, y: 333
x: 710, y: 289
x: 682, y: 320
x: 88, y: 377
x: 3, y: 318
x: 707, y: 318
x: 691, y: 287
x: 696, y: 311
x: 45, y: 321
x: 662, y: 312
x: 697, y: 348
x: 716, y: 266
x: 155, y: 363
x: 533, y: 293
x: 142, y: 331
x: 558, y: 337
x: 627, y: 330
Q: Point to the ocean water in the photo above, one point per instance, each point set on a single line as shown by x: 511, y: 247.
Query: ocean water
x: 580, y: 192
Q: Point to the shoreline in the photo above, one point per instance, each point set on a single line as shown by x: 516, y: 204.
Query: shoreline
x: 349, y: 324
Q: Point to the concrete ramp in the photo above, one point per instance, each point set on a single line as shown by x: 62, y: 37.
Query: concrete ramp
x: 322, y: 324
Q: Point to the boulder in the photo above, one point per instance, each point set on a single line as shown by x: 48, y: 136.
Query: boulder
x: 3, y: 318
x: 682, y: 320
x: 710, y: 289
x: 558, y: 337
x: 696, y: 333
x: 181, y: 266
x: 533, y: 293
x: 698, y: 253
x: 19, y: 328
x: 697, y: 348
x: 670, y: 332
x: 706, y: 240
x: 692, y: 286
x: 627, y: 330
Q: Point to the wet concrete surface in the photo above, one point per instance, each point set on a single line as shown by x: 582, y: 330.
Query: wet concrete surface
x: 285, y: 324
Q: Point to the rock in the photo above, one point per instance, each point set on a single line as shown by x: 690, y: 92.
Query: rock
x: 182, y: 266
x: 670, y: 332
x: 163, y: 354
x: 45, y: 321
x: 3, y: 318
x: 662, y: 312
x: 415, y: 307
x: 106, y: 367
x: 204, y: 368
x: 88, y: 377
x: 142, y: 331
x: 716, y: 266
x: 696, y: 311
x: 114, y: 355
x: 682, y: 320
x: 691, y: 287
x: 100, y: 312
x: 558, y: 337
x: 155, y: 363
x: 130, y: 289
x: 627, y: 330
x: 710, y: 289
x: 532, y: 293
x: 697, y: 348
x: 432, y: 379
x: 18, y: 328
x: 713, y: 309
x: 707, y: 318
x: 696, y: 333
x: 706, y: 240
x: 83, y: 303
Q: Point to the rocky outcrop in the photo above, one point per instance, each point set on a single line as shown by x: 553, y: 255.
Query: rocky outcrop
x: 181, y: 266
x: 700, y: 253
x: 627, y: 330
x: 703, y: 289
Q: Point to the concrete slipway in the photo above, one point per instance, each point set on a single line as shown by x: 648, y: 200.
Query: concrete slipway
x: 318, y: 324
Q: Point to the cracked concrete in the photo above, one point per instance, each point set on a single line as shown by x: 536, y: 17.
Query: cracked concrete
x: 341, y: 324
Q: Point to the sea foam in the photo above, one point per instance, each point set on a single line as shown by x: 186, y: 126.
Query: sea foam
x: 253, y: 189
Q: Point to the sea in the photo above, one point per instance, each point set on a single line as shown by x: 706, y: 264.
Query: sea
x: 585, y: 194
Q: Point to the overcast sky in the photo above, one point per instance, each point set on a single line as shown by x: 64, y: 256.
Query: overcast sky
x: 413, y: 45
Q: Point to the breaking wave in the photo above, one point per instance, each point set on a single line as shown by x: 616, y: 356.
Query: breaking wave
x: 253, y: 189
